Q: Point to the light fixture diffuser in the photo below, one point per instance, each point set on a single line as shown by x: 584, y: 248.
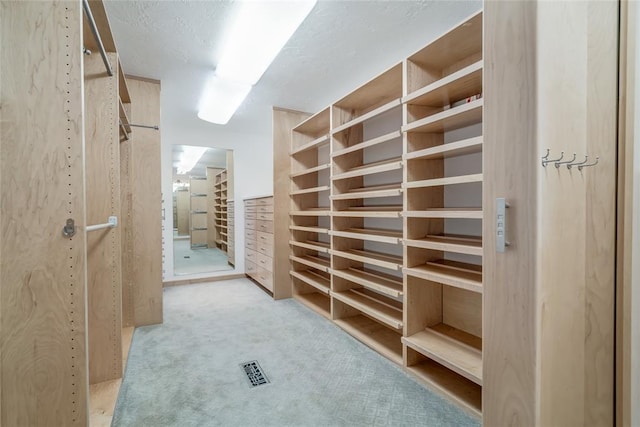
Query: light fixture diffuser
x: 189, y: 158
x: 221, y: 98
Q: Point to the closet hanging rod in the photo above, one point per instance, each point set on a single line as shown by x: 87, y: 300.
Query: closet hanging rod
x: 96, y: 36
x: 113, y: 222
x: 156, y: 127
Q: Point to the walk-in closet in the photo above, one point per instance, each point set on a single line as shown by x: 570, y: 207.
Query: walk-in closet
x: 319, y: 213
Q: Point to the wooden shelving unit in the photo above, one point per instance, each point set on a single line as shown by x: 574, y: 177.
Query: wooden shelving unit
x: 386, y: 213
x: 221, y: 215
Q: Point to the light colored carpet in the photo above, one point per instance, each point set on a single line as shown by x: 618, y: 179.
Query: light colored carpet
x: 186, y: 372
x: 202, y: 260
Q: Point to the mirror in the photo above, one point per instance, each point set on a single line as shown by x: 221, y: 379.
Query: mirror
x: 203, y: 234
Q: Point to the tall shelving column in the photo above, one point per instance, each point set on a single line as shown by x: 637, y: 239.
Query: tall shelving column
x: 198, y: 212
x: 366, y: 288
x: 220, y: 211
x: 443, y: 219
x: 310, y: 212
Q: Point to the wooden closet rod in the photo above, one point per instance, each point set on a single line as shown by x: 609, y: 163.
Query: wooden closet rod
x: 96, y: 35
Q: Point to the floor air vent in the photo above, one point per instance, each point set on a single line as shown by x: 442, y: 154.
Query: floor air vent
x: 254, y: 373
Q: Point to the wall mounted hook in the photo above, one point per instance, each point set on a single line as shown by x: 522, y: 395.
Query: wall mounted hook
x: 546, y: 161
x: 566, y: 161
x: 590, y: 164
x: 586, y: 159
x: 545, y: 157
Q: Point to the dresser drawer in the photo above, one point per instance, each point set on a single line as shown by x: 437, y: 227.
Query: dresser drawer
x: 250, y: 235
x: 264, y: 226
x: 264, y: 261
x: 250, y: 255
x: 265, y: 278
x: 250, y: 268
x: 264, y: 238
x: 264, y: 201
x: 250, y: 215
x: 250, y: 224
x: 251, y: 244
x: 265, y: 209
x: 250, y: 202
x: 268, y: 216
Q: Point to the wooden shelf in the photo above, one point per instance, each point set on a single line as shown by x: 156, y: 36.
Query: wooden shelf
x: 322, y: 264
x: 319, y: 189
x: 453, y: 118
x: 438, y: 182
x: 383, y: 313
x: 457, y: 350
x: 370, y: 234
x: 319, y: 282
x: 123, y: 88
x: 313, y: 245
x: 315, y: 124
x: 380, y: 282
x: 311, y: 212
x: 316, y: 143
x: 391, y: 262
x: 310, y: 229
x: 450, y: 273
x: 380, y: 211
x: 310, y: 170
x: 124, y: 118
x: 452, y: 149
x: 320, y: 303
x: 387, y: 190
x: 375, y: 335
x: 459, y: 85
x: 371, y: 168
x: 367, y: 144
x: 462, y: 213
x: 469, y: 245
x: 367, y: 116
x: 456, y: 387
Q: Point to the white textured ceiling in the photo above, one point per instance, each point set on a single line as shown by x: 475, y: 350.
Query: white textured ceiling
x: 341, y: 45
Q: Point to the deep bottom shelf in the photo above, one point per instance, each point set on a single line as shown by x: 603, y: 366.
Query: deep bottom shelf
x: 320, y: 303
x: 457, y: 388
x: 380, y: 338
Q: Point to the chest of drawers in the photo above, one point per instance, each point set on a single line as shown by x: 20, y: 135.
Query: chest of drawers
x: 258, y: 237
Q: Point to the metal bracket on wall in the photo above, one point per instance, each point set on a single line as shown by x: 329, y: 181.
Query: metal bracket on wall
x: 69, y: 230
x: 501, y: 224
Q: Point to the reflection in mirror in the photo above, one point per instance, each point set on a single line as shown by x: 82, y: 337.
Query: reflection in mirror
x: 203, y: 234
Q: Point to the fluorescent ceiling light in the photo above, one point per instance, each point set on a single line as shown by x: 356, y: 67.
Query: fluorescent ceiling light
x: 221, y: 98
x: 256, y: 36
x: 189, y: 158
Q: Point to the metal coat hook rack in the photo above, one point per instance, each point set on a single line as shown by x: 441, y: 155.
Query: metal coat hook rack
x: 569, y: 163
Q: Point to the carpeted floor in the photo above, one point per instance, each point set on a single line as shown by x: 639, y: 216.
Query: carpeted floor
x: 186, y: 372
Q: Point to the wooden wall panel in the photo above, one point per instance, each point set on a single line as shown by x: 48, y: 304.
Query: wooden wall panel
x: 283, y: 122
x: 126, y: 233
x: 510, y: 169
x: 43, y: 354
x: 146, y: 203
x: 104, y: 257
x: 183, y: 200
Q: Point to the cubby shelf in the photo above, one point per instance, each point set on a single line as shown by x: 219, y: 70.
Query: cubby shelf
x: 316, y: 143
x: 469, y: 245
x: 382, y: 339
x: 375, y: 191
x: 370, y: 169
x: 374, y: 280
x: 322, y: 264
x: 380, y: 311
x: 450, y: 273
x: 437, y: 182
x: 310, y: 190
x: 379, y: 211
x: 370, y: 234
x: 463, y: 213
x: 316, y: 301
x: 457, y: 350
x: 311, y: 212
x: 452, y: 149
x: 313, y: 245
x: 379, y: 259
x: 320, y: 230
x: 311, y: 170
x: 447, y: 120
x: 454, y: 87
x: 321, y: 283
x: 371, y: 114
x: 368, y: 144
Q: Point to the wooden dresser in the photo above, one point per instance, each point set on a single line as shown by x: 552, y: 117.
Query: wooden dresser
x: 231, y: 240
x: 258, y: 229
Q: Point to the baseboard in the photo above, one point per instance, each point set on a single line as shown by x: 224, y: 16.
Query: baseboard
x: 171, y: 283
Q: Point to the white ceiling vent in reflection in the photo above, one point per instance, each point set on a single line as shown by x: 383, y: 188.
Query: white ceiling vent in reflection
x: 190, y: 156
x: 255, y: 36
